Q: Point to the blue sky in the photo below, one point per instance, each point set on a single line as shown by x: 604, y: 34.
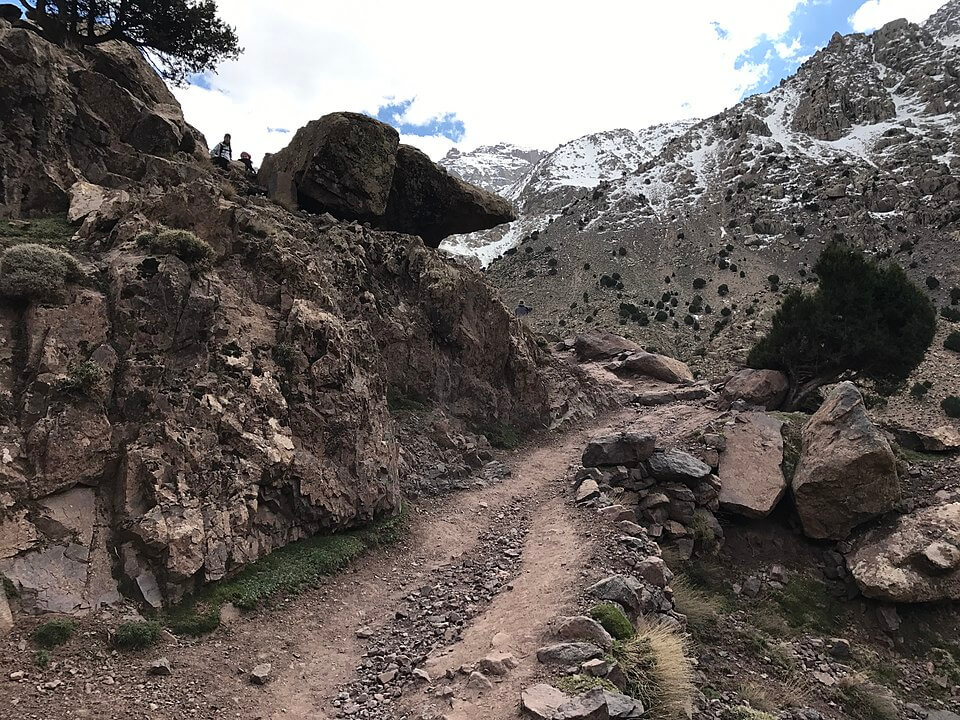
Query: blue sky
x: 535, y: 73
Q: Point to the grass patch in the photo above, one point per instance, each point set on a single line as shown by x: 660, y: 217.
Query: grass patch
x: 289, y: 570
x: 41, y: 658
x: 398, y: 403
x: 756, y: 695
x: 138, y: 635
x: 866, y: 700
x: 805, y: 602
x: 53, y: 633
x: 283, y: 354
x: 915, y: 457
x: 184, y: 244
x: 613, y: 621
x: 31, y: 271
x: 53, y: 230
x: 657, y: 670
x: 502, y: 435
x: 577, y: 684
x: 702, y: 607
x: 745, y: 712
x: 759, y: 644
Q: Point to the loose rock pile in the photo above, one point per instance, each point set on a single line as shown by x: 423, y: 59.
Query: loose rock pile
x: 670, y: 492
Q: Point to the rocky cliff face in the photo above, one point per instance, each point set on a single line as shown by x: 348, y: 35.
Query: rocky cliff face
x: 689, y: 239
x: 497, y: 168
x: 195, y: 400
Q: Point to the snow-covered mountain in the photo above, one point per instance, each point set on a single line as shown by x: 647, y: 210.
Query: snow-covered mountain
x: 617, y: 229
x: 496, y: 168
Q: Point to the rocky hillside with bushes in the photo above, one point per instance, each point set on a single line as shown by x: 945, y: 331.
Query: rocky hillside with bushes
x: 193, y: 375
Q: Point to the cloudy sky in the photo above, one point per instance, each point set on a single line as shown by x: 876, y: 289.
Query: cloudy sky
x: 532, y: 72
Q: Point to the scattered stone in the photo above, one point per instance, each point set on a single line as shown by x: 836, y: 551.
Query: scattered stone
x: 765, y: 388
x: 847, y: 472
x: 542, y: 701
x: 478, y: 683
x: 620, y: 589
x: 626, y: 448
x: 889, y: 618
x: 751, y: 586
x: 677, y: 465
x: 751, y: 481
x: 160, y: 666
x: 911, y: 559
x: 261, y: 674
x: 651, y: 398
x: 655, y: 571
x: 591, y: 705
x: 497, y: 664
x: 603, y: 346
x: 588, y: 489
x: 583, y: 628
x: 569, y: 654
x: 631, y: 528
x: 421, y: 674
x: 839, y: 648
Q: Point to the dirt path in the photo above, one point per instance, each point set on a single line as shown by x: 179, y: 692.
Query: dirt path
x: 445, y: 533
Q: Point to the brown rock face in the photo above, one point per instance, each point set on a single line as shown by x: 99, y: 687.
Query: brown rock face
x: 659, y: 367
x: 603, y: 346
x: 914, y: 559
x: 752, y: 482
x: 847, y: 472
x: 342, y: 163
x: 765, y: 388
x: 351, y: 166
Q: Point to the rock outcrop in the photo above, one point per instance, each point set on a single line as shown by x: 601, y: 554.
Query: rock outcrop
x: 847, y: 472
x: 353, y: 167
x: 914, y: 559
x: 765, y: 388
x: 201, y: 397
x: 751, y: 481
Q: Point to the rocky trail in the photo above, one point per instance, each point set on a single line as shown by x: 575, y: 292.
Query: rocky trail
x: 481, y: 572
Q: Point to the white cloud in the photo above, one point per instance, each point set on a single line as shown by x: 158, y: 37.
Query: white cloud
x: 876, y: 13
x: 788, y: 51
x: 534, y: 72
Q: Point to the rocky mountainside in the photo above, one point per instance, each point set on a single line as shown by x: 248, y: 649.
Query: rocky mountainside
x: 496, y: 168
x: 192, y: 375
x: 686, y: 236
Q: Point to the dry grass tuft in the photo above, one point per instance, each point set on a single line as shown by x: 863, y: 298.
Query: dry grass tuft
x: 658, y: 670
x: 702, y: 607
x: 866, y: 700
x: 757, y: 696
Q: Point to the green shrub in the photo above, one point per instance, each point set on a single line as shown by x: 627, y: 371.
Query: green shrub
x: 36, y: 272
x: 951, y: 406
x: 182, y: 243
x: 578, y: 684
x: 53, y: 633
x: 952, y: 342
x: 283, y: 355
x: 950, y: 313
x: 503, y: 436
x: 83, y: 379
x: 863, y: 316
x: 920, y: 389
x: 136, y: 635
x: 54, y: 230
x: 41, y: 658
x: 613, y: 621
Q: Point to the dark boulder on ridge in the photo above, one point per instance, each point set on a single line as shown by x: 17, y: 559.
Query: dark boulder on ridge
x: 353, y: 167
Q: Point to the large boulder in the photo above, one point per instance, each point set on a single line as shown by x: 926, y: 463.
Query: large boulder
x: 426, y: 201
x: 765, y: 388
x: 658, y: 367
x: 847, y: 472
x: 678, y: 465
x: 913, y: 559
x: 603, y: 346
x: 751, y: 481
x: 342, y: 163
x: 353, y: 167
x: 624, y: 448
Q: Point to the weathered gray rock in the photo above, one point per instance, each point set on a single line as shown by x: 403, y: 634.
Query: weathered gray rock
x: 751, y: 481
x: 915, y: 558
x: 766, y: 388
x: 88, y: 199
x: 261, y: 674
x: 160, y: 666
x: 649, y: 398
x: 497, y: 664
x: 568, y: 654
x: 626, y: 448
x: 621, y: 589
x: 591, y: 705
x: 847, y: 472
x: 659, y: 367
x: 603, y: 346
x: 622, y: 707
x: 677, y: 465
x: 542, y: 701
x: 580, y: 627
x: 588, y: 489
x: 655, y: 571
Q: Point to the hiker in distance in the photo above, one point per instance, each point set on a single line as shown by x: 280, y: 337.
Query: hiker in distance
x: 222, y: 153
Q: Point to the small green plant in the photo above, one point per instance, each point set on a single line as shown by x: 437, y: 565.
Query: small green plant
x: 577, y: 684
x: 288, y: 570
x: 182, y: 243
x: 53, y: 633
x: 36, y: 272
x: 54, y: 230
x: 807, y: 603
x: 951, y: 406
x: 41, y: 658
x: 920, y: 389
x: 613, y: 621
x: 83, y: 379
x: 503, y: 436
x: 953, y: 341
x: 745, y: 712
x: 136, y: 635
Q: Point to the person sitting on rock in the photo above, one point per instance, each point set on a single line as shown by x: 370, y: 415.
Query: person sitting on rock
x: 522, y: 310
x: 222, y: 153
x: 247, y: 163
